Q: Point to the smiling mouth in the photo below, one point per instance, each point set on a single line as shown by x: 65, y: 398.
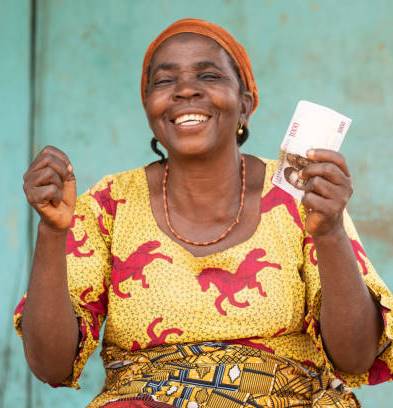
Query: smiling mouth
x: 190, y: 119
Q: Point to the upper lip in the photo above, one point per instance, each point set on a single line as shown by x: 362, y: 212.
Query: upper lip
x: 188, y: 111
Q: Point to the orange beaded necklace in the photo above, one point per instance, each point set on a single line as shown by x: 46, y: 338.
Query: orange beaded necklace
x: 227, y: 231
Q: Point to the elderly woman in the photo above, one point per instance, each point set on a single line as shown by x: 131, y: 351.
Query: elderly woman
x: 218, y: 288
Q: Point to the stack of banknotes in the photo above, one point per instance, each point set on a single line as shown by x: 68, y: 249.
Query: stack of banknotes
x: 312, y: 127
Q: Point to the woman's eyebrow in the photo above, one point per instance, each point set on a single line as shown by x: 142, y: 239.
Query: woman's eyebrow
x: 166, y: 66
x: 206, y: 64
x: 170, y: 66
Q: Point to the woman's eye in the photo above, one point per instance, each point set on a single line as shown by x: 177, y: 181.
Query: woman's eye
x: 163, y: 81
x: 209, y: 76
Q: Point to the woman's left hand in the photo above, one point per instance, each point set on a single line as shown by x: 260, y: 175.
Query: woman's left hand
x: 328, y: 188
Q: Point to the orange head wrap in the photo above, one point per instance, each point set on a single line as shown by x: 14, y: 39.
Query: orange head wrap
x: 215, y: 32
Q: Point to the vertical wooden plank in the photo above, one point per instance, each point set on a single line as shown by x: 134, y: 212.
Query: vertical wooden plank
x: 14, y: 152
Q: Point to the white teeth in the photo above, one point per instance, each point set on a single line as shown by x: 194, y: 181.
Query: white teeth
x: 191, y: 119
x: 190, y: 123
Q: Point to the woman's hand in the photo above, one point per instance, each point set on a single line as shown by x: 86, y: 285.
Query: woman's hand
x: 50, y: 188
x: 50, y: 328
x: 328, y: 188
x: 351, y: 343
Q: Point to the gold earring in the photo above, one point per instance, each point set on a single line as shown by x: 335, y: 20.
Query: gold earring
x: 240, y: 129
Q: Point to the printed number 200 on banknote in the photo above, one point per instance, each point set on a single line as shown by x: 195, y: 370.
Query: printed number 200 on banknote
x: 312, y: 126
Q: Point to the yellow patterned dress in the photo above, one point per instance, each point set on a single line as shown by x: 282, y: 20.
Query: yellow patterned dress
x: 237, y: 328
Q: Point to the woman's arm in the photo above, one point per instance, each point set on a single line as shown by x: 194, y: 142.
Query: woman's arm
x: 49, y: 325
x: 50, y: 328
x: 350, y: 322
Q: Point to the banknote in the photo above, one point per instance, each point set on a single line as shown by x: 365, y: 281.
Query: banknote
x: 311, y: 126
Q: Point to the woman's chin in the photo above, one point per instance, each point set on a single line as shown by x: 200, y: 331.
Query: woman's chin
x: 193, y: 147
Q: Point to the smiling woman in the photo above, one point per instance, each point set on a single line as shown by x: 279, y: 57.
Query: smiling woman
x: 199, y: 80
x: 190, y: 66
x: 218, y: 288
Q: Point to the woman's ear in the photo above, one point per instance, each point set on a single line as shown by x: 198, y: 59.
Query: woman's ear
x: 247, y: 102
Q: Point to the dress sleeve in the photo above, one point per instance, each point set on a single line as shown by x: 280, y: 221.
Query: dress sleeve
x: 382, y: 369
x: 88, y: 272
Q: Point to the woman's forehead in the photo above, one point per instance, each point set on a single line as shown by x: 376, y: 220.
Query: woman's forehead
x: 187, y: 47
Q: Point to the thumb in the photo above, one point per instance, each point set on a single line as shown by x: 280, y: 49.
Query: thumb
x: 69, y: 189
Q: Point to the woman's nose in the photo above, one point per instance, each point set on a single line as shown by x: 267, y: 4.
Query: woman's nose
x: 187, y: 89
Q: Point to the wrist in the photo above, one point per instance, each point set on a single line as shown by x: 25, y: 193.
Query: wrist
x: 49, y: 230
x: 335, y: 235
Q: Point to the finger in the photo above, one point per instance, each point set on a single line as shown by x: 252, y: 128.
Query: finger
x: 325, y: 155
x: 45, y: 177
x: 51, y: 150
x: 50, y: 160
x: 314, y: 202
x: 43, y: 195
x: 56, y: 152
x: 327, y: 170
x: 324, y: 188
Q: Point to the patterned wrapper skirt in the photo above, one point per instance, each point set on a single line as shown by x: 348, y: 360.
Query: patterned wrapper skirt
x: 215, y: 375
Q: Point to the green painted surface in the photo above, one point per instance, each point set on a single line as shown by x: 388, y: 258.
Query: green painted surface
x: 14, y: 97
x: 337, y: 53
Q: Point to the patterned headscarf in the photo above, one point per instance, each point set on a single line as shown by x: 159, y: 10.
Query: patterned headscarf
x: 215, y: 32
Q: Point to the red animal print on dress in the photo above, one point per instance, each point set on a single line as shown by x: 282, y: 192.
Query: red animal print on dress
x: 154, y: 339
x: 379, y: 372
x: 96, y: 308
x: 133, y: 266
x: 358, y: 250
x: 231, y: 283
x: 360, y: 255
x: 249, y: 342
x: 105, y: 200
x: 135, y: 346
x: 19, y: 308
x: 279, y: 332
x: 73, y: 245
x: 276, y: 197
x: 103, y: 229
x: 313, y: 257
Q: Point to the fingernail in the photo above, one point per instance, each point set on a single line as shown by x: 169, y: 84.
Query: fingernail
x: 69, y: 168
x: 310, y: 153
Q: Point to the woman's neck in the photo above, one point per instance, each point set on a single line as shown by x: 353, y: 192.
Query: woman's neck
x: 205, y: 190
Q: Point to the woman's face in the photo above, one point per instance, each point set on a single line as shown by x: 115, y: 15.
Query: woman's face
x: 193, y: 101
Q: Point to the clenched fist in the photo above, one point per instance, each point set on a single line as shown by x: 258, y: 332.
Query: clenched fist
x: 50, y: 188
x: 328, y: 188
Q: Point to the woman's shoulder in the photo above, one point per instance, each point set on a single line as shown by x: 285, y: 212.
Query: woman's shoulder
x: 271, y: 164
x: 269, y: 168
x: 116, y: 186
x: 121, y: 180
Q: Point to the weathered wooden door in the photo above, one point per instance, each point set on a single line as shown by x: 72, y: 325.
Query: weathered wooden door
x: 69, y: 77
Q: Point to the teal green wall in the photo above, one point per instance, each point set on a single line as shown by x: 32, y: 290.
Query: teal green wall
x: 89, y: 54
x: 14, y: 152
